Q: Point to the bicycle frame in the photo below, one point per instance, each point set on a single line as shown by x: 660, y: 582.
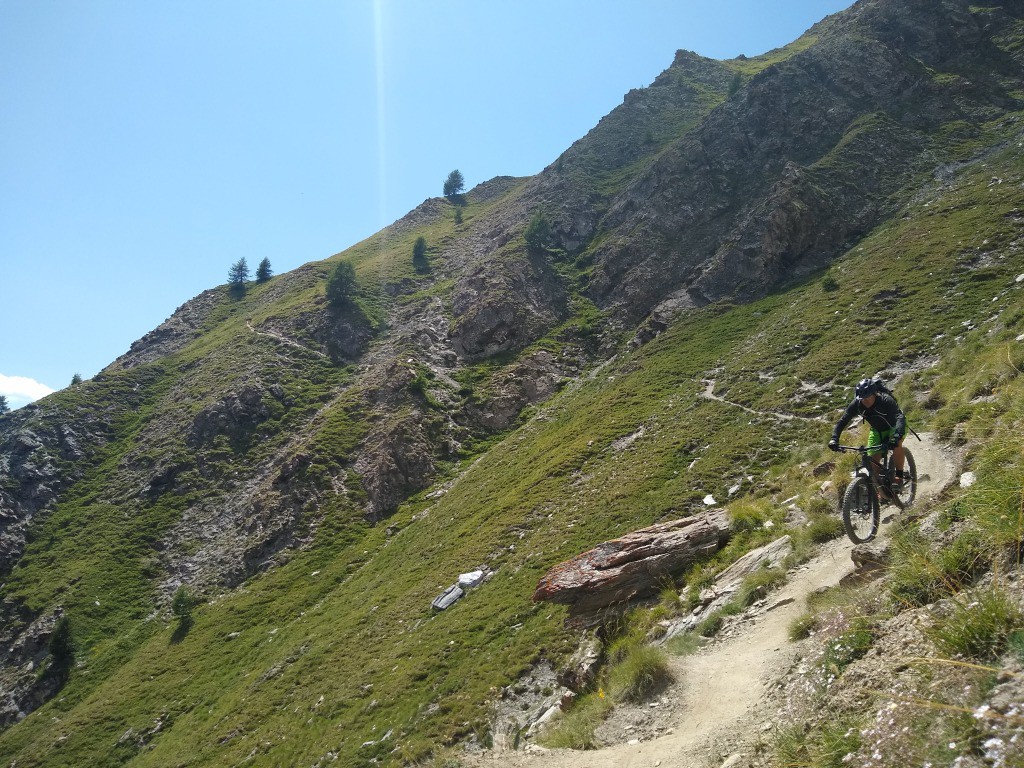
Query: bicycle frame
x: 879, y: 474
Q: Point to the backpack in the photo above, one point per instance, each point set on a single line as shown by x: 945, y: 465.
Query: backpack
x: 880, y: 387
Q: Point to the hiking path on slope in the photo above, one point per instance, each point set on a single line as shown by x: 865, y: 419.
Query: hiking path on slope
x: 717, y: 706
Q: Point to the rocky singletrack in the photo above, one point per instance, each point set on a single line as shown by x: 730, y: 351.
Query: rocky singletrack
x: 718, y: 706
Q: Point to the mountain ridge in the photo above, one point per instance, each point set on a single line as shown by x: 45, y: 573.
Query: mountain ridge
x: 471, y: 414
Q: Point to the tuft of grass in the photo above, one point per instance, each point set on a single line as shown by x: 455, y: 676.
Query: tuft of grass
x: 643, y: 670
x: 684, y: 644
x: 711, y: 626
x: 980, y: 627
x: 919, y: 576
x: 575, y: 729
x: 996, y: 503
x: 1015, y: 642
x: 757, y: 584
x: 791, y: 747
x: 752, y: 514
x: 825, y: 528
x: 849, y: 646
x: 830, y: 747
x: 802, y: 626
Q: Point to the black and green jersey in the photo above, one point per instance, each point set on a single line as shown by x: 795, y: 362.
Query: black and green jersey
x: 884, y: 415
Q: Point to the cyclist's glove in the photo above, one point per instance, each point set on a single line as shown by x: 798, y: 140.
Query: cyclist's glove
x: 833, y: 444
x: 893, y: 442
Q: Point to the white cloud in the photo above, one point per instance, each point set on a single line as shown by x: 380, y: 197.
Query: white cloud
x: 21, y: 390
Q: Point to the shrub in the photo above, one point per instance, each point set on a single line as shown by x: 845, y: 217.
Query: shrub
x: 829, y: 284
x: 538, y: 233
x: 736, y: 83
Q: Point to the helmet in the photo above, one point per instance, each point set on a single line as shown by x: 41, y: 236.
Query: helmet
x: 865, y: 388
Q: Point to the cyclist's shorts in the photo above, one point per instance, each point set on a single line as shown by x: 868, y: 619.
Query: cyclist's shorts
x: 878, y: 440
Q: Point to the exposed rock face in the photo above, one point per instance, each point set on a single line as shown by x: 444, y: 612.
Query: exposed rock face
x: 532, y: 380
x: 776, y: 180
x: 395, y: 462
x: 22, y: 651
x: 41, y: 454
x: 171, y: 335
x: 505, y: 306
x: 236, y: 415
x: 634, y: 565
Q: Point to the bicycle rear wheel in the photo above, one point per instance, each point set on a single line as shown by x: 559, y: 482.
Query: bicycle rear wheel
x: 906, y: 493
x: 860, y: 511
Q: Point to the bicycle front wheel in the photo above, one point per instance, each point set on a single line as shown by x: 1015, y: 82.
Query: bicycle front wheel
x: 860, y: 511
x: 906, y: 493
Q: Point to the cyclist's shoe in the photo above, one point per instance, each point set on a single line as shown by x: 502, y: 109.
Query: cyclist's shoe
x: 898, y: 480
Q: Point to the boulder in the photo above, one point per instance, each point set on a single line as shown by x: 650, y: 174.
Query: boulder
x: 581, y: 669
x: 871, y: 560
x: 633, y: 566
x: 447, y: 598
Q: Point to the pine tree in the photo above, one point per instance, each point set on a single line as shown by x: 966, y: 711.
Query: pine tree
x: 76, y: 379
x: 4, y: 408
x: 237, y: 276
x: 454, y: 184
x: 182, y: 605
x: 538, y: 233
x: 419, y: 254
x: 263, y: 271
x: 62, y: 649
x: 239, y: 272
x: 341, y: 284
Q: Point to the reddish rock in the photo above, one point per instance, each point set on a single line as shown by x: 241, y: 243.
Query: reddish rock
x: 634, y: 565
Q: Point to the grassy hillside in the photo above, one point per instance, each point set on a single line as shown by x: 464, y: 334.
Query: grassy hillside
x: 336, y: 651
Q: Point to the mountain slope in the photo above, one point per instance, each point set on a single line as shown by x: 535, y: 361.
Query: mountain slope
x: 318, y: 476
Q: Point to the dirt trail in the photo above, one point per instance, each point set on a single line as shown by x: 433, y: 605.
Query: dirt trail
x: 718, y: 699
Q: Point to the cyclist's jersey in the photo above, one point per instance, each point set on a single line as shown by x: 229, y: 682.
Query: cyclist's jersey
x: 884, y: 416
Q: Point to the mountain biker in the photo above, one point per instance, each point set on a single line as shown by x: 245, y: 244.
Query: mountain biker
x: 888, y: 424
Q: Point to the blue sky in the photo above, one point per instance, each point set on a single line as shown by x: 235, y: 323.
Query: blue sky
x: 147, y: 146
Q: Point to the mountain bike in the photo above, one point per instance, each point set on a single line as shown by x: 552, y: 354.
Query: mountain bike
x: 873, y: 486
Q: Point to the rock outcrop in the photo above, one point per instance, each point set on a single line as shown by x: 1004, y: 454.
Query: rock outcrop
x: 728, y: 584
x: 634, y: 565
